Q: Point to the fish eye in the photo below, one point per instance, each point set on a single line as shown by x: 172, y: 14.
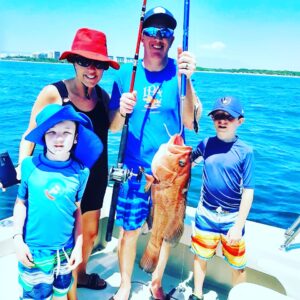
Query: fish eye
x: 181, y: 163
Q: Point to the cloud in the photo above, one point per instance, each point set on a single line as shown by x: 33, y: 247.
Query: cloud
x: 215, y: 46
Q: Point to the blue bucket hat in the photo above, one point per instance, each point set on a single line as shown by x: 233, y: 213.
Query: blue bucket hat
x: 161, y: 15
x: 230, y: 105
x: 88, y: 147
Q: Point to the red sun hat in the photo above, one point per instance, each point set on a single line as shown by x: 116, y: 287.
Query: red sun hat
x: 91, y: 44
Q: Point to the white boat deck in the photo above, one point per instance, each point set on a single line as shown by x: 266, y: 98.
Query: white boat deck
x: 105, y: 263
x: 273, y: 270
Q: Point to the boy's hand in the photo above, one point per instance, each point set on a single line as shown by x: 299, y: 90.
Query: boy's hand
x: 23, y: 252
x: 2, y: 188
x: 234, y: 235
x: 75, y: 258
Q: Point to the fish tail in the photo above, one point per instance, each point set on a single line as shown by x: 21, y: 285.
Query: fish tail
x: 150, y: 258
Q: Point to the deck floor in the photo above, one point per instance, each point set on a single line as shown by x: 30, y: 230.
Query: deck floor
x: 105, y: 262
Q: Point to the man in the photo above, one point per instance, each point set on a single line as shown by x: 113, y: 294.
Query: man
x: 154, y: 102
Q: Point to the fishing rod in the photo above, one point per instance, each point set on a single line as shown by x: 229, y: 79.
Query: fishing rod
x: 118, y: 174
x: 185, y: 42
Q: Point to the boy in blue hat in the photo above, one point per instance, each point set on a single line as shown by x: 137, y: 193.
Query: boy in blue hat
x: 47, y: 216
x: 226, y: 194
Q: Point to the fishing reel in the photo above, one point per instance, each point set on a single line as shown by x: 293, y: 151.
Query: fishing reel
x: 122, y: 175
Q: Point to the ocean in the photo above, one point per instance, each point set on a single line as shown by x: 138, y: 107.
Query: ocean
x: 271, y: 103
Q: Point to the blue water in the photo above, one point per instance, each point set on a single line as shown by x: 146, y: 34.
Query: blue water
x: 272, y: 106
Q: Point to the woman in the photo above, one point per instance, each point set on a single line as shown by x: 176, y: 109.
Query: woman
x: 89, y: 57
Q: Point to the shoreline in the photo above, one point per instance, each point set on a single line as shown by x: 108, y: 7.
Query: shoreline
x: 244, y: 73
x: 251, y: 72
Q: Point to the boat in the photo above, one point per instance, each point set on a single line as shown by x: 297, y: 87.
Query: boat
x: 272, y: 270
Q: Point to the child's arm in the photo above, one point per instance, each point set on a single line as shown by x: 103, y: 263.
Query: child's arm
x: 196, y: 156
x: 22, y: 250
x: 76, y: 256
x: 235, y: 232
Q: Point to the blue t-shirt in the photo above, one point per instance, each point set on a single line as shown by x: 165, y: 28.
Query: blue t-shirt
x: 228, y: 167
x: 157, y: 104
x: 50, y: 189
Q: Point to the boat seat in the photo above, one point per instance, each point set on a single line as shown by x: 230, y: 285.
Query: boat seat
x: 247, y: 291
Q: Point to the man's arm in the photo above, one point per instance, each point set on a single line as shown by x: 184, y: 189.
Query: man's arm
x: 192, y: 107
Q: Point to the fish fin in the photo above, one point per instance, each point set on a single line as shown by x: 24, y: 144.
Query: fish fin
x: 165, y: 174
x: 149, y: 180
x: 174, y: 237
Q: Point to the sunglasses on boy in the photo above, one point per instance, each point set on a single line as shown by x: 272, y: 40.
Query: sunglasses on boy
x: 222, y: 116
x: 86, y: 62
x: 158, y: 32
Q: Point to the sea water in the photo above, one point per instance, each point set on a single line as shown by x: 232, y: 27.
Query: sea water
x: 271, y: 103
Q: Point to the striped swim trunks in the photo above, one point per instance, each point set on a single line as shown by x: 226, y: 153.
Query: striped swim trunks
x: 133, y: 205
x: 49, y: 276
x: 211, y: 227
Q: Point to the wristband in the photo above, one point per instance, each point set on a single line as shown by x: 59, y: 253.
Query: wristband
x: 122, y: 115
x: 16, y: 235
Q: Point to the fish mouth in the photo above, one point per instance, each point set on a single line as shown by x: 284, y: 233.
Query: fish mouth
x: 178, y: 140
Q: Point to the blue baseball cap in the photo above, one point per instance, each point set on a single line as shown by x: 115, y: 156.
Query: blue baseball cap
x: 159, y: 15
x: 230, y: 105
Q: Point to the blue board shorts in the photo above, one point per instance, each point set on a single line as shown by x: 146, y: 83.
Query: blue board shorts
x: 49, y: 276
x: 211, y: 227
x: 134, y: 205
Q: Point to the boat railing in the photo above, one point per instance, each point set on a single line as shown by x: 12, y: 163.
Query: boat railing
x: 291, y: 233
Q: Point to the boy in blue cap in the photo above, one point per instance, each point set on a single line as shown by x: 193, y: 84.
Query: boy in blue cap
x: 226, y: 194
x: 47, y: 216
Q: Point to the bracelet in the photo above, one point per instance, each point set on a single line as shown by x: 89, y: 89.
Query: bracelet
x: 16, y: 235
x: 122, y: 115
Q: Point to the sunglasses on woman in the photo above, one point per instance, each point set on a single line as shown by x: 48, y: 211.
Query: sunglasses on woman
x: 86, y: 62
x: 222, y: 116
x: 158, y: 32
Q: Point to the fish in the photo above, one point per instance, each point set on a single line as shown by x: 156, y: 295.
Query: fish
x: 171, y: 170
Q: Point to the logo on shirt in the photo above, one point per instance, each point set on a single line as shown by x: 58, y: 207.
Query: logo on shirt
x: 152, y: 97
x: 55, y: 190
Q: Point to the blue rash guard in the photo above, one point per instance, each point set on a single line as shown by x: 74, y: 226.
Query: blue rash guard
x: 157, y: 104
x: 228, y: 167
x: 49, y: 190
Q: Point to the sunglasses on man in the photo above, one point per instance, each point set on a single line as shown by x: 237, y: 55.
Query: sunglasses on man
x: 86, y: 62
x: 222, y: 116
x: 158, y: 32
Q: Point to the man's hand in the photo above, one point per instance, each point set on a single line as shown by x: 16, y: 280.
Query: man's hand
x: 127, y: 103
x: 186, y: 63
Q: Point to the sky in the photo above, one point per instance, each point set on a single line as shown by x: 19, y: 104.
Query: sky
x: 253, y: 34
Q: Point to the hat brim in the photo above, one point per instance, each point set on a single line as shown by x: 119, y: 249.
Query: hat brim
x: 229, y: 111
x: 91, y: 55
x: 161, y: 18
x: 88, y: 147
